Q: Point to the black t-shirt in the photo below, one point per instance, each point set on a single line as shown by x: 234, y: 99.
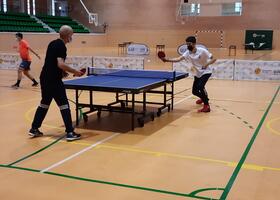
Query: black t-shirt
x: 51, y: 72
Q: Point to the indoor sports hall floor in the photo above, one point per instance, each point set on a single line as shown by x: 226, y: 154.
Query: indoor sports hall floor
x: 232, y: 152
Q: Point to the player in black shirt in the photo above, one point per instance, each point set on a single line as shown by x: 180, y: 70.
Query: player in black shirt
x: 52, y: 86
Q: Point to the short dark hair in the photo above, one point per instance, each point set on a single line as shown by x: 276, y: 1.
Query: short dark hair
x: 191, y: 39
x: 19, y: 35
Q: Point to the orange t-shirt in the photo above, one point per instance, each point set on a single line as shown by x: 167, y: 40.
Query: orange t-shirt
x: 23, y: 50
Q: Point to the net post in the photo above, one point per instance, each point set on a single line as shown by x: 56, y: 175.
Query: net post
x: 88, y: 71
x: 172, y: 89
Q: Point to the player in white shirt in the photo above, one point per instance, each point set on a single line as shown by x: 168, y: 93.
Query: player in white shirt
x: 201, y: 58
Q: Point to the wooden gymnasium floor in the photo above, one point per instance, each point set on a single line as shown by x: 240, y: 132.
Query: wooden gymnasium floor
x: 234, y: 150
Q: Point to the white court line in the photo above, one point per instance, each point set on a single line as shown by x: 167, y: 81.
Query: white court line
x: 188, y: 97
x: 94, y: 145
x: 78, y: 153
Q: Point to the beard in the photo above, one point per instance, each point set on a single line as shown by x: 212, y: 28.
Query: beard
x: 190, y: 48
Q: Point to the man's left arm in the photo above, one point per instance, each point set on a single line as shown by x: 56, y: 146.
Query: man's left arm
x: 211, y: 59
x: 210, y: 62
x: 29, y: 48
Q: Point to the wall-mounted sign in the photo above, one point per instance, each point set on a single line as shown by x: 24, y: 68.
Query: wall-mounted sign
x: 138, y: 49
x: 9, y: 61
x: 259, y: 39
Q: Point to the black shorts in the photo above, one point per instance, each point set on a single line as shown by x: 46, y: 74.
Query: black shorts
x: 25, y: 65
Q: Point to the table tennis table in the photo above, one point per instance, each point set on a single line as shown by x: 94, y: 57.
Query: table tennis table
x: 125, y: 83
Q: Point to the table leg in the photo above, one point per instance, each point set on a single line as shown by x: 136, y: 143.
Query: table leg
x: 77, y: 106
x: 133, y: 111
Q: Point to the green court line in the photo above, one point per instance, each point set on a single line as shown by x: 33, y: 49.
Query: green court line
x: 205, y: 189
x: 246, y: 152
x: 192, y: 194
x: 20, y: 168
x: 46, y: 147
x: 127, y: 186
x: 109, y: 183
x: 36, y: 152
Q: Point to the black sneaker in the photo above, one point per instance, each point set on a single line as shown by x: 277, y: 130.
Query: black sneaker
x: 73, y: 136
x: 35, y: 84
x: 35, y: 132
x: 15, y: 86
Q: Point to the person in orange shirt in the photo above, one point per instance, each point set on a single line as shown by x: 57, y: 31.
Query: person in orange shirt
x: 24, y: 66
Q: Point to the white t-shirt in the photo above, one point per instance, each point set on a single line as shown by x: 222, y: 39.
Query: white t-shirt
x: 199, y: 59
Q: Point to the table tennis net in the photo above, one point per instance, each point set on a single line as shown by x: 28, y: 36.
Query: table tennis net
x: 170, y: 75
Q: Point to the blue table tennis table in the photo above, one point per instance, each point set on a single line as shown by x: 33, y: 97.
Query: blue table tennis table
x: 125, y: 83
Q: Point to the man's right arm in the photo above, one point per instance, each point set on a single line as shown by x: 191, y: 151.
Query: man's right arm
x: 178, y: 59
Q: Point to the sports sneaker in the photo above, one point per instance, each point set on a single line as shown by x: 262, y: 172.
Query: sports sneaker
x: 15, y: 86
x: 35, y: 84
x: 34, y: 132
x: 206, y: 108
x: 199, y: 101
x: 73, y: 136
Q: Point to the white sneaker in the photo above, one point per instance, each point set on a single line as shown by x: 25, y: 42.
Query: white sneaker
x: 73, y: 136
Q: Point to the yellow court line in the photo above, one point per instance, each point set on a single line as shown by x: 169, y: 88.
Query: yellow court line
x: 61, y: 141
x: 157, y: 154
x: 18, y: 102
x: 27, y: 118
x: 268, y: 126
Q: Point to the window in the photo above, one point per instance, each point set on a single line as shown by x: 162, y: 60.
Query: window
x: 238, y: 6
x: 232, y: 9
x: 53, y: 8
x: 195, y: 8
x: 33, y: 7
x: 5, y: 5
x: 190, y: 9
x: 28, y: 7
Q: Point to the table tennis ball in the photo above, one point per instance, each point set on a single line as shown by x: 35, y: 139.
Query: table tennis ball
x: 110, y: 65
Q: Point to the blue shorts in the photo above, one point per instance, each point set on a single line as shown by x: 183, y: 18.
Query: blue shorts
x: 25, y: 65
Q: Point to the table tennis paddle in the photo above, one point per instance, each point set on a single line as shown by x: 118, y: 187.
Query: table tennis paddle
x: 161, y: 55
x: 83, y: 71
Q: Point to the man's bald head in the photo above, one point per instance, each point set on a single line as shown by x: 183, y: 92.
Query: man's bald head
x: 65, y: 33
